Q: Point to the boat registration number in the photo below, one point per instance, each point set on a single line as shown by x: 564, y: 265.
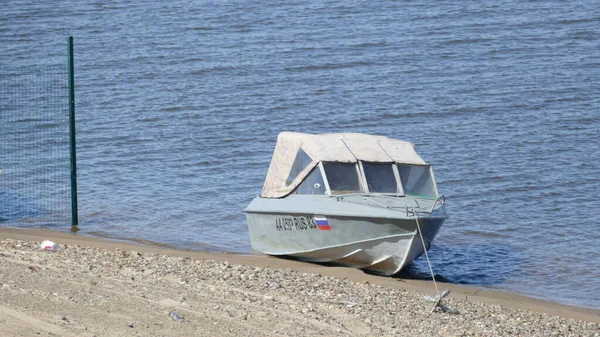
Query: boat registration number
x: 298, y: 223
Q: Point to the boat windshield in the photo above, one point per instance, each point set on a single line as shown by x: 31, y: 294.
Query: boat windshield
x: 313, y: 184
x: 342, y: 178
x: 417, y: 180
x: 380, y: 177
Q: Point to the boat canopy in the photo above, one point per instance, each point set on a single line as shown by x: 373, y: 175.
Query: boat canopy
x: 296, y: 154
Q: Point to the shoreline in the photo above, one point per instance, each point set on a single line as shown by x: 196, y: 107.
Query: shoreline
x: 467, y: 293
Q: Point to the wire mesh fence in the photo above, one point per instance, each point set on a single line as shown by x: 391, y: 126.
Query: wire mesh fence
x: 34, y: 146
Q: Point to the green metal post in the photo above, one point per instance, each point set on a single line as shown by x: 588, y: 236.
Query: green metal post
x: 74, y: 216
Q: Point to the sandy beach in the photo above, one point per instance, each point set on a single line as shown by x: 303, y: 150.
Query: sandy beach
x: 94, y: 287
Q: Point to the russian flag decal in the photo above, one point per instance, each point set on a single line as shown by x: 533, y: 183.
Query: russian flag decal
x: 322, y: 223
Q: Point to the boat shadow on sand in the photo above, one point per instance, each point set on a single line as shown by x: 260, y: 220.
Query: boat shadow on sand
x: 473, y: 264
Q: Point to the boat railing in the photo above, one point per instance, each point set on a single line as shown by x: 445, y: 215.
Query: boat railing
x: 441, y: 200
x: 367, y: 198
x: 392, y: 196
x: 387, y: 206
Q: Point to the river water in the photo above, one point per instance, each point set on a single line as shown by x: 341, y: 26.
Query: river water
x: 179, y: 104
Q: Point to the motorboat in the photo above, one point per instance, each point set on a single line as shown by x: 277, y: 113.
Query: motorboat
x: 349, y: 199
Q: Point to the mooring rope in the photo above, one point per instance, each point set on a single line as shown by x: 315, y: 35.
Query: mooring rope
x: 426, y: 255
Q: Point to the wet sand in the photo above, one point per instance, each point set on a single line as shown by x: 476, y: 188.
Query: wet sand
x: 96, y: 287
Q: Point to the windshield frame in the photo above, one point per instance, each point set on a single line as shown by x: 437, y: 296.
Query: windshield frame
x: 399, y: 188
x: 431, y: 176
x: 328, y: 190
x: 364, y: 186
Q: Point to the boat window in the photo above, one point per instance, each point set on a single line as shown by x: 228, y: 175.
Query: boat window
x: 416, y: 180
x: 312, y: 184
x: 380, y: 177
x: 300, y: 163
x: 342, y: 178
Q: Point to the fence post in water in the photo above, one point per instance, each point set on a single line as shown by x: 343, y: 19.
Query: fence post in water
x: 74, y: 216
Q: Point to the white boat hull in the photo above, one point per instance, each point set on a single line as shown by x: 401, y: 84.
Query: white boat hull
x: 383, y: 256
x: 381, y: 244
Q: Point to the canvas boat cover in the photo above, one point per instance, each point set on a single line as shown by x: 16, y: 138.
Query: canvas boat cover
x: 302, y: 152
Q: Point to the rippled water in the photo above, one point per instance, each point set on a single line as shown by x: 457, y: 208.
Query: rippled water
x: 179, y: 104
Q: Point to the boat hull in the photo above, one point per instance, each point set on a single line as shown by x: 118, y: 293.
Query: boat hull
x: 380, y: 244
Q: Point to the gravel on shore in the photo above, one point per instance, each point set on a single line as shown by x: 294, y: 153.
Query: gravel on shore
x: 82, y: 291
